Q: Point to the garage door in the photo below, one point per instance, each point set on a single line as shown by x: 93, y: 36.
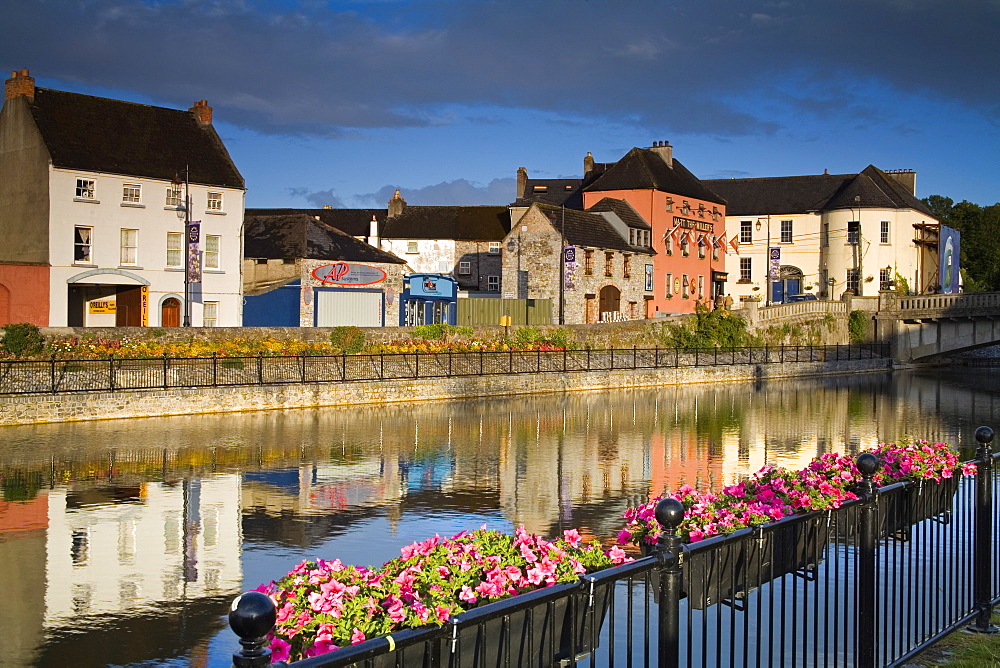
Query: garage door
x: 338, y: 308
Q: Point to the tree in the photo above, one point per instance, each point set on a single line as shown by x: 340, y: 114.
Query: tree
x: 980, y: 247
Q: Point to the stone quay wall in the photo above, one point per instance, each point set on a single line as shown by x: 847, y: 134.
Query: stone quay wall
x: 38, y: 409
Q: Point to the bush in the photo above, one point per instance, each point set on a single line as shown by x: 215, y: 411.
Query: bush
x: 22, y: 339
x: 857, y: 326
x: 434, y: 332
x: 348, y: 340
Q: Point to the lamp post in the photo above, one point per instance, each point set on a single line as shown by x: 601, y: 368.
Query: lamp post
x: 767, y: 261
x: 187, y: 243
x: 860, y: 249
x: 562, y: 268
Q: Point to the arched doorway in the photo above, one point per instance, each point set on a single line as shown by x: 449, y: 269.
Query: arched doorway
x: 789, y: 283
x: 610, y: 301
x: 170, y: 312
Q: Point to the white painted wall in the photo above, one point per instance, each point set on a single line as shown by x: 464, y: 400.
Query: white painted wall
x: 108, y: 215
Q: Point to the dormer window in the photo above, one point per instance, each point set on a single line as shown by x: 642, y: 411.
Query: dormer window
x: 569, y: 188
x: 85, y: 189
x: 540, y: 189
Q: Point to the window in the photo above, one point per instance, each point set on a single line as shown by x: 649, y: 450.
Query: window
x: 411, y: 247
x: 494, y: 248
x: 539, y: 189
x: 824, y: 235
x: 670, y: 284
x: 588, y: 262
x: 745, y: 269
x: 701, y: 286
x: 884, y: 232
x: 715, y: 213
x: 786, y: 231
x: 212, y: 243
x: 214, y: 201
x: 701, y: 210
x: 131, y: 194
x: 670, y: 204
x: 464, y: 268
x: 627, y: 267
x: 746, y: 231
x: 493, y: 283
x: 701, y: 247
x: 210, y: 314
x: 885, y: 279
x: 82, y: 244
x: 175, y: 249
x: 686, y: 208
x: 85, y: 189
x: 631, y: 236
x: 609, y: 264
x: 444, y: 267
x: 173, y: 196
x: 852, y: 280
x: 684, y: 286
x: 130, y: 240
x: 684, y: 245
x: 853, y: 231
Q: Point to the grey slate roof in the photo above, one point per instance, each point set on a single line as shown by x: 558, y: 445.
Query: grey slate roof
x: 460, y: 223
x: 623, y: 210
x: 583, y: 228
x: 103, y: 135
x: 642, y: 169
x: 822, y: 192
x: 299, y: 236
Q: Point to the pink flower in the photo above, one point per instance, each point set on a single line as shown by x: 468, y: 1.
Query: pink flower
x: 572, y: 536
x: 280, y: 649
x: 467, y: 594
x: 357, y: 636
x: 618, y: 555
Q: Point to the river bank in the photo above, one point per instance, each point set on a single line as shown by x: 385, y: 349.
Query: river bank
x: 41, y: 409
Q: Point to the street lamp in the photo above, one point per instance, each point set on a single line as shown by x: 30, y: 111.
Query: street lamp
x: 767, y: 261
x: 187, y: 242
x: 859, y: 250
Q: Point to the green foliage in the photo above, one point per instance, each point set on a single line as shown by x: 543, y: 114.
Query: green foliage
x: 348, y: 340
x: 436, y: 332
x: 21, y: 486
x: 709, y: 329
x: 22, y: 339
x: 857, y: 326
x: 902, y: 285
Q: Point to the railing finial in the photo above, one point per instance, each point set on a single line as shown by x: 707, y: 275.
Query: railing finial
x: 252, y: 617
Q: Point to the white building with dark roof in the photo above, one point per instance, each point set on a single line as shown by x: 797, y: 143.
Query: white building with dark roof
x: 831, y: 233
x: 94, y: 220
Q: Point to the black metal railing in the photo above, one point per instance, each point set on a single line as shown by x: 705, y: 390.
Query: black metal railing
x: 871, y: 584
x: 111, y: 374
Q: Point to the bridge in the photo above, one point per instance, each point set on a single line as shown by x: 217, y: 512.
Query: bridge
x: 921, y: 328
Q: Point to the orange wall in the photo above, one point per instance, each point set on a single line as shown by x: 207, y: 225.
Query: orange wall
x: 24, y: 294
x: 652, y: 205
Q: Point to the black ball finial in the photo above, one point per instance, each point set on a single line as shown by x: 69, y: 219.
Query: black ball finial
x: 868, y: 463
x: 984, y: 435
x: 669, y: 513
x: 252, y: 615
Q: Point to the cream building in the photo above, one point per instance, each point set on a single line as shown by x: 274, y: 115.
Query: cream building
x: 828, y: 234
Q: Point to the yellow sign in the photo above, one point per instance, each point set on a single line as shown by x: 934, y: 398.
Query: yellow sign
x: 103, y: 306
x: 144, y: 306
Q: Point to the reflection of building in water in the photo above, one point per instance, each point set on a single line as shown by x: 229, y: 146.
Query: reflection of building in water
x: 121, y: 549
x: 22, y: 562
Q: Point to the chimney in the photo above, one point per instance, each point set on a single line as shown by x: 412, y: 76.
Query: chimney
x: 20, y: 83
x: 373, y: 239
x: 396, y: 205
x: 906, y: 178
x: 665, y: 151
x: 522, y: 181
x: 588, y: 164
x: 202, y: 112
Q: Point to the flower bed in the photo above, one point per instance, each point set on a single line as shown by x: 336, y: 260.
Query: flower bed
x: 324, y: 605
x: 774, y: 493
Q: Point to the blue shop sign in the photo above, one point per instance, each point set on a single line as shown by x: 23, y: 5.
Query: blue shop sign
x: 432, y: 285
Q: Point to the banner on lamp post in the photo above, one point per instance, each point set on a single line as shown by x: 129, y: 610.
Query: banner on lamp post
x: 193, y: 265
x: 774, y: 264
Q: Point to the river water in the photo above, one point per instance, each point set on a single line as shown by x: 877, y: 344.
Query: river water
x: 123, y: 542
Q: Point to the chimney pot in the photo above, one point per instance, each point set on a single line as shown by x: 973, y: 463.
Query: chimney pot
x: 202, y: 112
x: 20, y: 83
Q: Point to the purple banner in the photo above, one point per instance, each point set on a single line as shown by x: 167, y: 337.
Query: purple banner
x: 193, y: 266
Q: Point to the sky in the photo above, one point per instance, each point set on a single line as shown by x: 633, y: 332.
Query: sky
x: 340, y: 103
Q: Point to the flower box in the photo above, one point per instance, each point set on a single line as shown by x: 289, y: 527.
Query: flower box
x: 899, y: 509
x: 728, y: 572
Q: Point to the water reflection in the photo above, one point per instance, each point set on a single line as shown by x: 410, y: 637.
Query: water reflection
x: 121, y: 542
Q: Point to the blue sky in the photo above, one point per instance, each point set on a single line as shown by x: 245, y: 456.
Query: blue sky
x: 340, y: 103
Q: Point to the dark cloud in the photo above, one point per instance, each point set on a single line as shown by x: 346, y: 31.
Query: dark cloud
x: 446, y: 193
x: 711, y: 67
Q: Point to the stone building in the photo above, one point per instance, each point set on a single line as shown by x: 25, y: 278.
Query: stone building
x: 607, y: 270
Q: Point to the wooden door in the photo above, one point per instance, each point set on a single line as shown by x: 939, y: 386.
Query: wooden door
x: 170, y: 312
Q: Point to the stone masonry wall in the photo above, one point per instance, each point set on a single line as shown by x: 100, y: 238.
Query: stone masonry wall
x: 36, y: 409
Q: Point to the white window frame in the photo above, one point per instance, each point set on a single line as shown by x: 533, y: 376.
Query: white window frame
x: 884, y: 232
x: 210, y: 314
x: 701, y: 286
x: 746, y: 231
x: 670, y: 283
x: 86, y: 189
x: 83, y: 244
x: 174, y: 197
x: 175, y: 244
x: 853, y: 234
x: 214, y: 201
x: 494, y: 248
x: 786, y: 232
x: 412, y: 248
x: 464, y: 268
x: 129, y: 247
x: 493, y: 283
x: 884, y: 279
x: 131, y: 194
x: 853, y: 280
x: 213, y: 251
x: 746, y: 270
x: 670, y: 204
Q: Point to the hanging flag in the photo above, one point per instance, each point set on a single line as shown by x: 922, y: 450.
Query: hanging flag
x: 668, y: 239
x: 736, y: 246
